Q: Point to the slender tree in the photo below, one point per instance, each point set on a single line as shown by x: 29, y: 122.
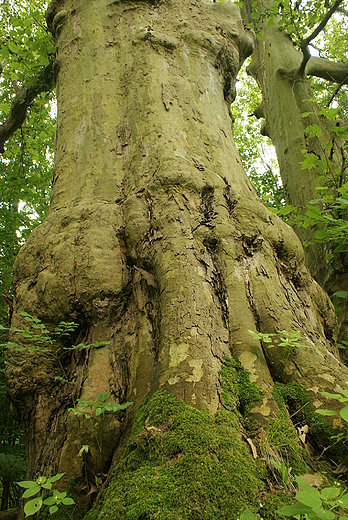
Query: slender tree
x: 298, y: 125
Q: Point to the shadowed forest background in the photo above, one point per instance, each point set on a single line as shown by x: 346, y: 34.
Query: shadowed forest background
x: 168, y: 329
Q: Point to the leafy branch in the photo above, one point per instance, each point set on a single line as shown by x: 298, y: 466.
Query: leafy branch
x: 304, y: 44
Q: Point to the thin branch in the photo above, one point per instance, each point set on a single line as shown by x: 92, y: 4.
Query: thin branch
x: 22, y: 101
x: 304, y: 43
x: 342, y: 11
x: 334, y: 94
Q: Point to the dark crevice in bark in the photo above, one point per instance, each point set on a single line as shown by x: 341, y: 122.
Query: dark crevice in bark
x: 252, y: 243
x: 207, y: 207
x: 151, y: 307
x: 252, y: 305
x: 230, y: 199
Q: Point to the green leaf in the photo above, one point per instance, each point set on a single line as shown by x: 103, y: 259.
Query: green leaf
x: 330, y: 493
x: 329, y: 113
x: 340, y: 294
x: 84, y: 449
x: 50, y: 501
x: 306, y: 487
x: 343, y: 501
x: 53, y: 509
x: 323, y: 514
x: 47, y: 485
x: 247, y: 515
x: 309, y: 499
x: 27, y: 484
x: 33, y: 506
x: 344, y: 413
x: 68, y: 501
x: 320, y: 234
x: 103, y: 397
x: 336, y: 397
x: 28, y: 493
x: 56, y: 477
x: 296, y: 509
x: 327, y: 413
x: 313, y: 131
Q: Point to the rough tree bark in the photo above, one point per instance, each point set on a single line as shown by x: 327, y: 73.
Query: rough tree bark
x: 155, y: 239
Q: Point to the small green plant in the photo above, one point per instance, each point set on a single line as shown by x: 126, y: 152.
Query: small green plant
x: 289, y: 341
x: 283, y: 470
x: 97, y: 408
x: 38, y: 338
x: 342, y: 397
x: 42, y: 487
x: 313, y: 504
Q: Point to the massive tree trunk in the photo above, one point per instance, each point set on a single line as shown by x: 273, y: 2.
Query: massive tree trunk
x: 157, y: 242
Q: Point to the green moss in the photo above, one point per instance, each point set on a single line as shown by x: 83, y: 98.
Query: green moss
x: 239, y: 393
x: 281, y: 438
x: 181, y: 463
x: 296, y: 399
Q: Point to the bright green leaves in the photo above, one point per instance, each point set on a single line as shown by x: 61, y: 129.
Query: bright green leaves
x: 315, y: 504
x: 32, y: 506
x: 289, y: 341
x: 41, y: 485
x: 313, y: 131
x: 99, y: 407
x: 341, y: 397
x: 56, y: 500
x: 27, y: 45
x: 26, y: 163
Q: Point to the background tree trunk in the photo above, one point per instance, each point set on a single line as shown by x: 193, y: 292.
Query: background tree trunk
x: 155, y: 239
x: 286, y: 95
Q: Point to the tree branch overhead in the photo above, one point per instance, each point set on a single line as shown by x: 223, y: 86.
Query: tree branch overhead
x: 22, y: 101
